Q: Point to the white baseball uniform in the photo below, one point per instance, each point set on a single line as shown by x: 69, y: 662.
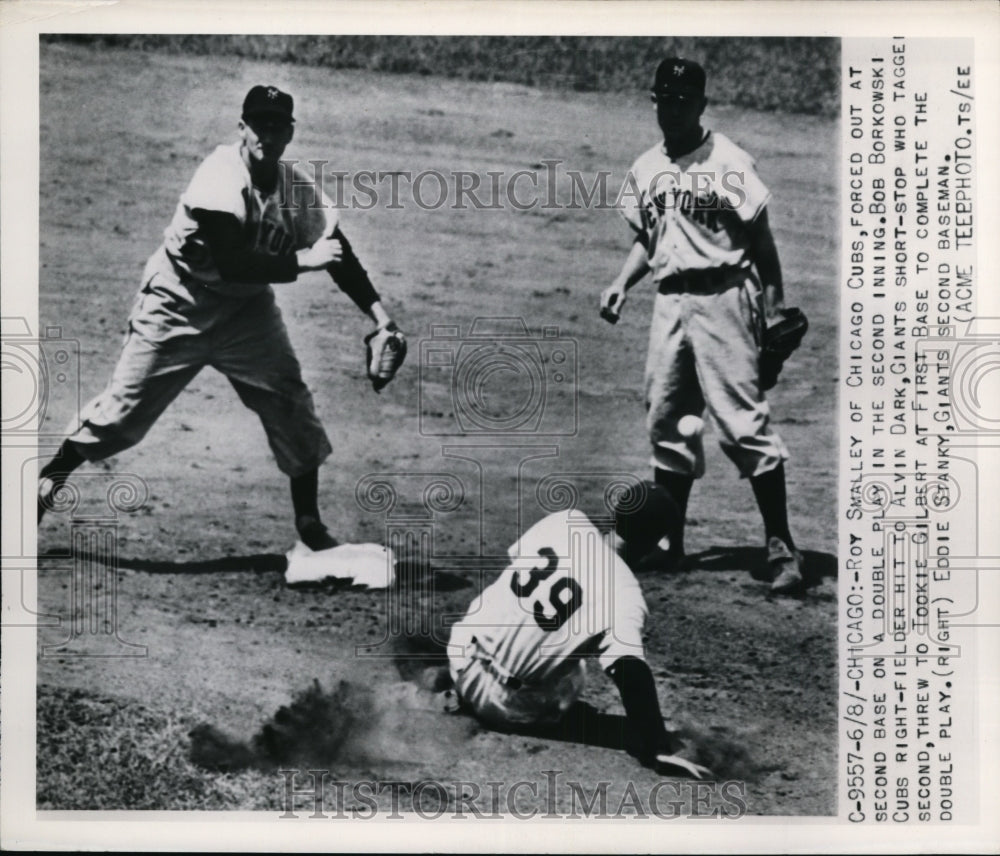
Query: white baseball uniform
x: 692, y: 215
x: 518, y: 656
x: 185, y: 317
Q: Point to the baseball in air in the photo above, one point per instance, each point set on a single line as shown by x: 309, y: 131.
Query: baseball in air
x: 690, y: 426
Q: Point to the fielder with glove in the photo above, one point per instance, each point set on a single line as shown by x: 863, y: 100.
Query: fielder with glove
x: 700, y: 223
x: 206, y: 300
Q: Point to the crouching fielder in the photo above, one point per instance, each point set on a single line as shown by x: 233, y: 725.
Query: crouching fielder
x: 518, y: 657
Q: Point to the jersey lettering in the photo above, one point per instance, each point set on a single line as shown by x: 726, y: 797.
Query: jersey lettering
x: 703, y: 209
x: 562, y: 607
x: 273, y: 239
x: 565, y: 594
x: 693, y: 213
x: 535, y: 575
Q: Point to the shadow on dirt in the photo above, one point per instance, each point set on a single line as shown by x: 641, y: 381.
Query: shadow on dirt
x: 815, y: 565
x: 408, y: 577
x: 586, y: 725
x: 259, y: 563
x: 417, y: 576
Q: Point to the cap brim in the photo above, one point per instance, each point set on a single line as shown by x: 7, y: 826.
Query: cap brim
x: 273, y: 114
x: 685, y: 93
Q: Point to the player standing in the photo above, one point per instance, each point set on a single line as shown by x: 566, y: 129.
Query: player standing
x: 206, y: 300
x: 518, y: 656
x: 699, y: 213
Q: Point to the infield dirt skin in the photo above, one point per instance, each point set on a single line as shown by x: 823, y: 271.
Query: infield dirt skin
x: 201, y: 564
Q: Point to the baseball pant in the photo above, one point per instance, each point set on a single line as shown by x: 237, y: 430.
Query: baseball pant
x: 501, y: 706
x: 502, y: 701
x: 169, y: 341
x: 702, y: 360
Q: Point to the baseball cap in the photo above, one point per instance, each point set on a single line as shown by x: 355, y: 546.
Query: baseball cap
x: 643, y: 514
x: 268, y: 101
x: 677, y: 76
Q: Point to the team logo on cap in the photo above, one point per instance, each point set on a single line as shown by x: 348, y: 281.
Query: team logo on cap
x: 272, y: 93
x: 678, y: 70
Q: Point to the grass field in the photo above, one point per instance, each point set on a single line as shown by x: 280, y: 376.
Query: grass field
x: 797, y: 75
x: 200, y: 565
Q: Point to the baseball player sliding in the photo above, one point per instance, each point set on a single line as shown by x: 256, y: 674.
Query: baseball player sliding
x: 699, y: 215
x: 518, y: 656
x: 206, y: 300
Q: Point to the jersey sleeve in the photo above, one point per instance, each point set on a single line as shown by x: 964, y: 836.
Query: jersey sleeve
x: 743, y: 189
x: 624, y: 637
x: 218, y: 185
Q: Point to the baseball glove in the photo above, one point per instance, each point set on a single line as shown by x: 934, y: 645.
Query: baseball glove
x: 385, y: 350
x: 779, y: 342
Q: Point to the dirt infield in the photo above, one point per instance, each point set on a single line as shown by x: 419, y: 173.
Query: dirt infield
x: 750, y: 678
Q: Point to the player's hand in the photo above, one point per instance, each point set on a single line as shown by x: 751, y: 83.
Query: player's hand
x: 612, y: 300
x: 324, y: 252
x: 774, y: 312
x: 670, y: 765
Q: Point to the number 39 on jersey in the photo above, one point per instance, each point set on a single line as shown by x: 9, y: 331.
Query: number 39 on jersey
x: 545, y: 590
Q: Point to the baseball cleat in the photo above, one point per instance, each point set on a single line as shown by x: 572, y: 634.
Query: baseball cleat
x: 314, y: 534
x: 785, y: 565
x: 666, y: 765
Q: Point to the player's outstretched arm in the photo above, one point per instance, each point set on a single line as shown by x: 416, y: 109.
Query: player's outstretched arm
x: 764, y: 254
x: 656, y: 748
x: 385, y: 347
x: 351, y: 278
x: 635, y: 268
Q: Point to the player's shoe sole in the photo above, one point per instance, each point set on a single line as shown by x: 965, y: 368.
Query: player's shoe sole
x: 786, y: 567
x: 671, y: 765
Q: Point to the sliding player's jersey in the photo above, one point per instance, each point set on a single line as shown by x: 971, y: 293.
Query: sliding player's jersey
x: 566, y: 594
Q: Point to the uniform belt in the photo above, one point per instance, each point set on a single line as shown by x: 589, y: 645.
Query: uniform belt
x: 500, y: 674
x: 702, y: 281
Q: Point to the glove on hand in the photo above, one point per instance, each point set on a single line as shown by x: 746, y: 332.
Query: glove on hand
x: 385, y: 350
x: 779, y: 342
